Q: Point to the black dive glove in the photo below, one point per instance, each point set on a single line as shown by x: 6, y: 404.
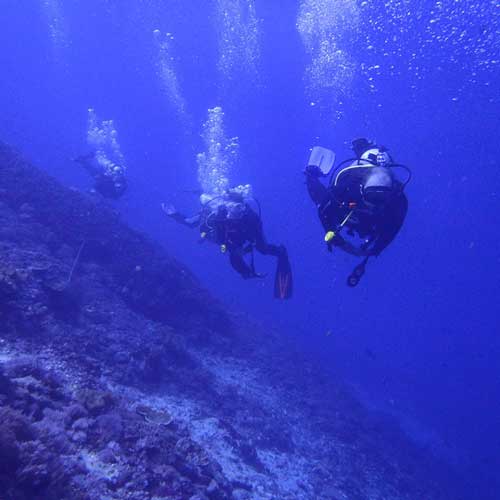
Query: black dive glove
x: 313, y: 171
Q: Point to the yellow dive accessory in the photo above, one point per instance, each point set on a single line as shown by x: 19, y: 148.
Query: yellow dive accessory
x: 329, y: 236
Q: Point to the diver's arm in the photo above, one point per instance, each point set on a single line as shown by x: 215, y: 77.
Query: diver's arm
x: 316, y: 189
x: 263, y: 246
x: 181, y: 219
x: 187, y: 221
x: 391, y: 225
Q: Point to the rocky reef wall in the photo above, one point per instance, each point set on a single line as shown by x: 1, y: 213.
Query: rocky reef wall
x: 150, y: 281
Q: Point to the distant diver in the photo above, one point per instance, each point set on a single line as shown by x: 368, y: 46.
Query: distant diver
x: 106, y: 163
x: 363, y: 206
x: 109, y: 180
x: 229, y: 221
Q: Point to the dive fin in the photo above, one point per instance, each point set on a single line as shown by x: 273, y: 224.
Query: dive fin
x: 322, y: 158
x: 357, y: 273
x: 283, y: 283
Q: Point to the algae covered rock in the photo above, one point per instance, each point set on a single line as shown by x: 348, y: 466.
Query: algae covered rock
x: 95, y: 401
x: 157, y: 417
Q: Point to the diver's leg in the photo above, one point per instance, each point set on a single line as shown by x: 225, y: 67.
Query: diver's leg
x: 263, y: 246
x: 239, y: 264
x: 357, y: 273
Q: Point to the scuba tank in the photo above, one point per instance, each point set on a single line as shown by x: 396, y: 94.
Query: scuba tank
x: 370, y: 176
x: 378, y: 186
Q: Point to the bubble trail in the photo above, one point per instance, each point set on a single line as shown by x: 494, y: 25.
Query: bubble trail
x: 238, y: 30
x: 216, y: 163
x: 166, y: 71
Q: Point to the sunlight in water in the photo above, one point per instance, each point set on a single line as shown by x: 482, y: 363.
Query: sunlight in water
x: 166, y: 73
x: 216, y: 163
x: 239, y: 38
x: 103, y: 139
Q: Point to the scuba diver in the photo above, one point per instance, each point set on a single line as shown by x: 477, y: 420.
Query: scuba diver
x: 364, y: 205
x: 230, y: 221
x: 109, y: 178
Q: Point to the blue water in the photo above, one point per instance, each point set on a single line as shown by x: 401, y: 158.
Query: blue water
x: 419, y: 337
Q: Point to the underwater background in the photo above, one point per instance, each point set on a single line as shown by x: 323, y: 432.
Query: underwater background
x: 419, y: 338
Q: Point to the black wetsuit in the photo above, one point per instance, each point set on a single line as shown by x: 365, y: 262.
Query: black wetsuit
x: 378, y: 226
x: 239, y: 235
x: 110, y: 187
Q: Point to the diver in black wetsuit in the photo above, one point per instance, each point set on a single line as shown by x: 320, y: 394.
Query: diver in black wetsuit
x: 229, y: 221
x: 109, y: 182
x: 364, y: 199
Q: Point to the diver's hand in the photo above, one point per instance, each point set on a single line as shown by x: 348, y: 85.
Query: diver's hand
x: 313, y: 171
x: 169, y: 209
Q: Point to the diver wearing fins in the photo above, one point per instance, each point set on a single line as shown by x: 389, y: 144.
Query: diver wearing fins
x: 109, y: 179
x: 363, y: 198
x: 230, y: 221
